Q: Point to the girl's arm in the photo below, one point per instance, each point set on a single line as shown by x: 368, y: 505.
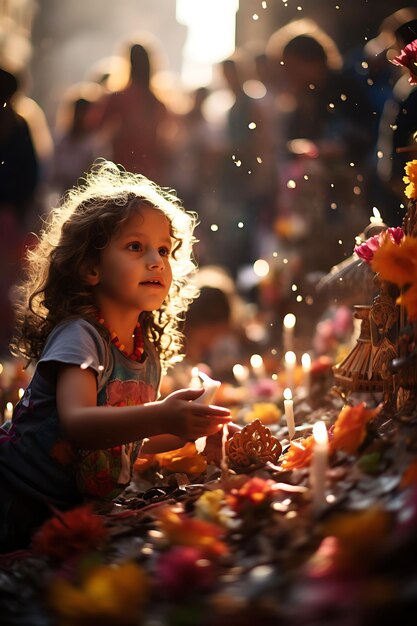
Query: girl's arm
x: 89, y: 426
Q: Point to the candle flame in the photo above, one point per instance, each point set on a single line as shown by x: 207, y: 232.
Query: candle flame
x: 320, y: 433
x: 289, y: 320
x: 290, y: 357
x: 256, y: 361
x: 376, y: 213
x: 306, y: 361
x: 9, y: 406
x: 287, y: 393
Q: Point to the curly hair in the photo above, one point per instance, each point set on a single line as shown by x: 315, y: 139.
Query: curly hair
x: 55, y: 287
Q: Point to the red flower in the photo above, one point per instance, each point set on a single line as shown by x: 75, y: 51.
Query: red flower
x: 69, y: 532
x: 254, y: 493
x: 183, y: 570
x: 408, y: 58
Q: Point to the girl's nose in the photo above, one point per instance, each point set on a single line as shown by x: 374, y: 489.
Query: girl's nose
x: 155, y: 260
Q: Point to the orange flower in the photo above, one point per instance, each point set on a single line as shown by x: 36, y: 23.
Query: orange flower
x: 185, y: 459
x: 108, y: 594
x: 186, y: 531
x: 74, y: 531
x: 409, y: 300
x: 411, y: 179
x: 254, y: 493
x: 298, y: 454
x: 350, y: 426
x: 397, y: 263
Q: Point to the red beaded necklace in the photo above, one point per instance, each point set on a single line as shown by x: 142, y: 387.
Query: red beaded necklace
x: 138, y: 347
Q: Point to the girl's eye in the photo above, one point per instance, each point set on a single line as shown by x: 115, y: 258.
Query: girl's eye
x: 135, y: 246
x: 164, y: 251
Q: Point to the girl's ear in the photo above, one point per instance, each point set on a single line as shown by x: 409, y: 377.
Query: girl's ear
x: 92, y: 276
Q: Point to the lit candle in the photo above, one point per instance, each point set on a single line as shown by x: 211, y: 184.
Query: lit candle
x: 8, y: 411
x: 306, y: 366
x: 195, y: 382
x: 288, y: 332
x: 318, y: 464
x: 224, y: 465
x: 289, y: 412
x: 290, y: 360
x: 376, y: 218
x: 241, y: 373
x: 210, y: 387
x: 257, y: 364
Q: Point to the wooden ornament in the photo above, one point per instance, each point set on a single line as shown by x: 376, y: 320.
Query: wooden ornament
x: 252, y: 447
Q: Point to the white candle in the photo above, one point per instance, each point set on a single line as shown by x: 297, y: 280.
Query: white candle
x: 210, y: 388
x: 289, y: 412
x: 288, y: 332
x: 8, y: 411
x: 241, y: 373
x: 195, y: 382
x: 224, y: 465
x: 306, y: 366
x: 257, y: 364
x: 290, y: 360
x: 318, y: 464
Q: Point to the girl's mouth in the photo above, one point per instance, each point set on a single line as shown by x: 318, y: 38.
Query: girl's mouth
x: 151, y: 283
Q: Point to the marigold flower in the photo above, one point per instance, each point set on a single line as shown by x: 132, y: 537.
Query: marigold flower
x: 185, y: 459
x: 74, y: 531
x: 411, y: 179
x: 397, y: 264
x: 254, y: 493
x: 107, y: 595
x: 408, y: 58
x: 185, y: 531
x: 409, y: 300
x: 298, y: 454
x: 350, y: 426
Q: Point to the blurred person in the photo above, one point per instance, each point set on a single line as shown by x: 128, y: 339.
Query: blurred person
x: 19, y: 178
x: 324, y: 149
x: 240, y: 193
x: 213, y: 328
x: 396, y: 142
x: 75, y: 146
x: 195, y: 150
x: 134, y: 120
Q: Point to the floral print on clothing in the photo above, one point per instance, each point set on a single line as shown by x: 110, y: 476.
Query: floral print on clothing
x: 105, y: 473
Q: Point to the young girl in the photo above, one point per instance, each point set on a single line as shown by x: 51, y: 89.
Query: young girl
x: 106, y: 288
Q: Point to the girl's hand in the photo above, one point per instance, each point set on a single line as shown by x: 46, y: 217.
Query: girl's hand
x: 182, y: 415
x: 213, y: 449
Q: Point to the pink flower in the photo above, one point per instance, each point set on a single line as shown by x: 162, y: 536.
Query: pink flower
x: 183, y: 570
x: 366, y: 250
x: 408, y: 58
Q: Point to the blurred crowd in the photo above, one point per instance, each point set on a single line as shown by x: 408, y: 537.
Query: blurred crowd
x: 283, y: 158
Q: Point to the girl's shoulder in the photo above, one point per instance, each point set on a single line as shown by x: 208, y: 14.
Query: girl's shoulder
x: 77, y: 341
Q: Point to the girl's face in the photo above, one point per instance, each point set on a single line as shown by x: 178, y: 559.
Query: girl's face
x: 134, y: 271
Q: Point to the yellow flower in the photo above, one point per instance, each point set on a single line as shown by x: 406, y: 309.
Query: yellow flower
x: 397, y: 263
x: 411, y: 179
x: 267, y: 412
x: 209, y: 504
x: 107, y: 595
